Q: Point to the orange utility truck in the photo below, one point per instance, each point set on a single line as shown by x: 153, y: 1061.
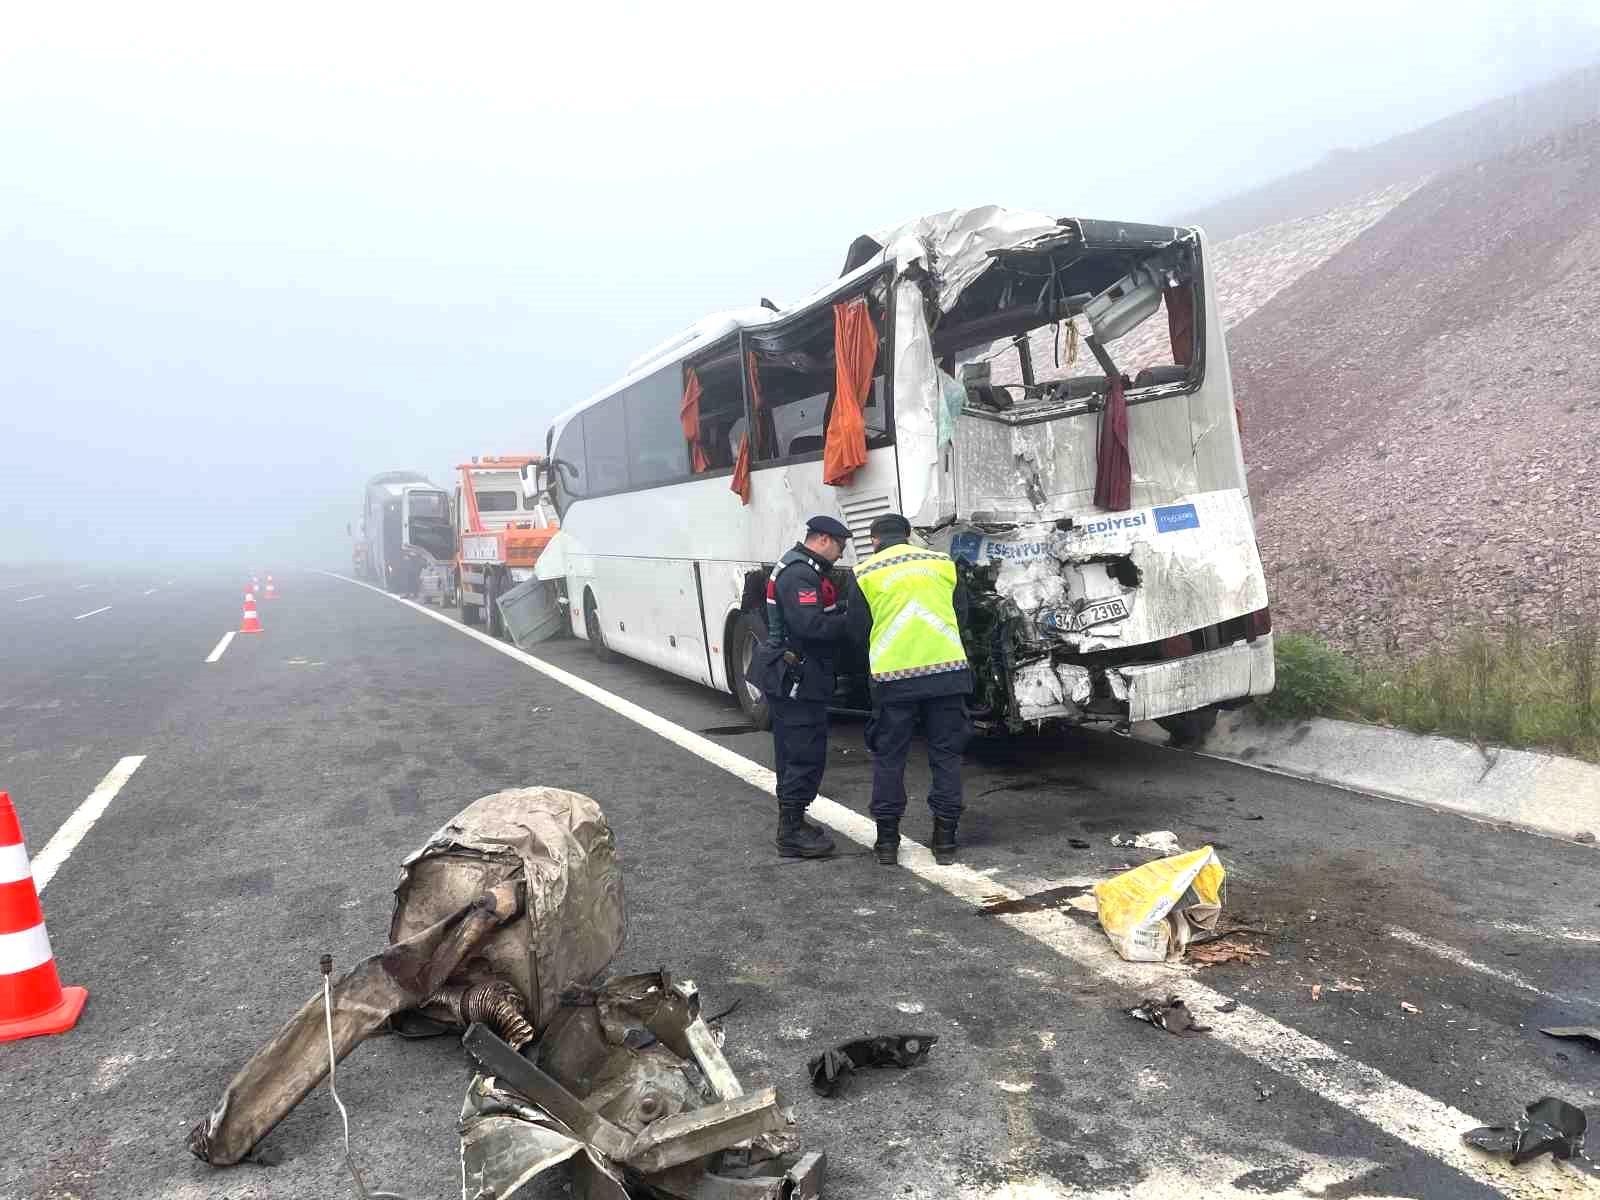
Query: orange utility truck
x: 500, y: 533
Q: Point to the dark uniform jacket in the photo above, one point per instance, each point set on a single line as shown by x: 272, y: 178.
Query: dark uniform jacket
x: 806, y: 621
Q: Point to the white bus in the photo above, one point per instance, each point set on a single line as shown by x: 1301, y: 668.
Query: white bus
x: 993, y: 373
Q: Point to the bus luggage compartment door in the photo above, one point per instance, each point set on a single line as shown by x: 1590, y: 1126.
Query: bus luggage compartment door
x: 650, y: 609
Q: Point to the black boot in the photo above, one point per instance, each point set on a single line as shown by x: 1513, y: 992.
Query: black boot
x: 798, y: 838
x: 887, y: 847
x: 944, y: 840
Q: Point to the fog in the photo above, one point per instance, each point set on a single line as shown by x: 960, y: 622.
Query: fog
x: 248, y: 260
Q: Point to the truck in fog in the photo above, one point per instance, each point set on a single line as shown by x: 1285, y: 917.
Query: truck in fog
x: 406, y: 544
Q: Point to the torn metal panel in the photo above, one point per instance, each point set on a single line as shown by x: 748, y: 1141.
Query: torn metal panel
x: 802, y: 1181
x: 519, y: 895
x: 956, y: 246
x: 1185, y: 684
x: 567, y: 856
x: 692, y: 1135
x: 1124, y: 579
x: 279, y: 1075
x: 506, y: 1142
x: 501, y: 1061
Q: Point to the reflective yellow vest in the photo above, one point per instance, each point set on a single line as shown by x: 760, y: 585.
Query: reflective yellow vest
x: 914, y: 630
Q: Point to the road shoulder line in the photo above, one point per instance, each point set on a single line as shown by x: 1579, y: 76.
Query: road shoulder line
x: 65, y: 840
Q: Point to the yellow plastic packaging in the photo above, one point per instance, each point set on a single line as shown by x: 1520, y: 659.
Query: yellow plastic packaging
x: 1152, y: 911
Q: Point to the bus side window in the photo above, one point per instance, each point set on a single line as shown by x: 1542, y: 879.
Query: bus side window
x: 721, y: 404
x: 794, y: 373
x: 657, y: 452
x: 571, y: 472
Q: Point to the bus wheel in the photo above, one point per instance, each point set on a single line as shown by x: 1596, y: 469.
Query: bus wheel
x: 493, y: 623
x: 749, y: 633
x: 1190, y: 728
x: 591, y: 627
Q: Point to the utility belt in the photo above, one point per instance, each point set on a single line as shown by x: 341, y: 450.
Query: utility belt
x: 778, y: 670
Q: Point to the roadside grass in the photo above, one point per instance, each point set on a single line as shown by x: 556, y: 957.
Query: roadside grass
x: 1491, y: 686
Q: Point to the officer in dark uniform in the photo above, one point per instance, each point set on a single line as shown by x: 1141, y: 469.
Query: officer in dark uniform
x: 806, y: 623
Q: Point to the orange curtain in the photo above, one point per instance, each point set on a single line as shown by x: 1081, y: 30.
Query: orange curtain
x: 757, y: 408
x: 689, y: 418
x: 741, y: 470
x: 855, y: 350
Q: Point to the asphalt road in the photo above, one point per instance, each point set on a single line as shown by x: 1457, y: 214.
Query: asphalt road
x: 282, y: 785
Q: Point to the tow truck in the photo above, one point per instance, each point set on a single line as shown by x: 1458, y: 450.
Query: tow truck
x: 500, y: 533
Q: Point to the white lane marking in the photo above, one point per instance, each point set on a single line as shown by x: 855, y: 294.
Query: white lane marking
x: 92, y: 612
x: 1427, y: 1125
x: 152, y: 591
x: 60, y: 847
x: 221, y: 646
x: 1559, y: 933
x: 25, y: 599
x: 78, y: 587
x: 24, y: 950
x: 1451, y: 954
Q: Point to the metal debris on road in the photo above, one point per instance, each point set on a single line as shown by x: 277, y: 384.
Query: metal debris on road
x: 1547, y: 1126
x: 1078, y: 843
x: 516, y: 897
x: 1407, y: 1006
x: 831, y: 1069
x: 1263, y: 1092
x: 1163, y: 840
x: 1228, y: 1006
x: 1580, y: 1033
x: 1152, y: 912
x: 1170, y: 1014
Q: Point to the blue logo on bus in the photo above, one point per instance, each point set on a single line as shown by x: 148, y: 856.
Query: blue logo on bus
x: 968, y: 546
x: 1176, y: 516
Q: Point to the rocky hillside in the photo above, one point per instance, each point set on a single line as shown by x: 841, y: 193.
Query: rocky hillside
x: 1419, y: 370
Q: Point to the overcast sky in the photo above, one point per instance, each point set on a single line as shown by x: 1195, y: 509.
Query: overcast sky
x: 249, y: 257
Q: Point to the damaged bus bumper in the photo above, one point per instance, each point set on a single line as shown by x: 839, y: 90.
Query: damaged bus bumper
x: 1047, y: 690
x: 1120, y: 617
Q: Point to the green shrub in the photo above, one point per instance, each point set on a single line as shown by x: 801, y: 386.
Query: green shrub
x: 1314, y: 680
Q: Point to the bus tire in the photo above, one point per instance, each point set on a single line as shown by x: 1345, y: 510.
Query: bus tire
x: 749, y: 631
x: 592, y: 629
x: 1190, y: 728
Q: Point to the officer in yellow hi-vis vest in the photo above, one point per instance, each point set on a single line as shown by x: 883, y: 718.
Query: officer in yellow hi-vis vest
x: 919, y: 670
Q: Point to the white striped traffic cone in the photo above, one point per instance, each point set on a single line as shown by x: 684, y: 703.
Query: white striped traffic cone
x: 272, y: 592
x: 251, y: 623
x: 32, y: 1000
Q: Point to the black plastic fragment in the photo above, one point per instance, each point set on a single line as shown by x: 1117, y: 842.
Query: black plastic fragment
x: 832, y: 1068
x: 1170, y: 1014
x: 1547, y: 1126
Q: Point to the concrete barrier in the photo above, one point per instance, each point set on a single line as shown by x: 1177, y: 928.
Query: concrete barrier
x: 1542, y: 792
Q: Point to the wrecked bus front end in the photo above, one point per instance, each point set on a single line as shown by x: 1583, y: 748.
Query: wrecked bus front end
x: 1093, y: 487
x: 1151, y: 614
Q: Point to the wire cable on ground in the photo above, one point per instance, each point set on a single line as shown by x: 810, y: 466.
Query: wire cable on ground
x: 344, y: 1116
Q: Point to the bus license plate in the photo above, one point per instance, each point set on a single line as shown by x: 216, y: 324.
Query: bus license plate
x: 1101, y: 611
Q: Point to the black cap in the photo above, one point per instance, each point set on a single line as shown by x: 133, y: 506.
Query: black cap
x: 890, y: 525
x: 827, y: 525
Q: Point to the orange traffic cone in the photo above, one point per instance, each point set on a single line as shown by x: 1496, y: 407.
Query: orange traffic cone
x: 252, y: 623
x: 272, y: 592
x: 32, y: 1000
